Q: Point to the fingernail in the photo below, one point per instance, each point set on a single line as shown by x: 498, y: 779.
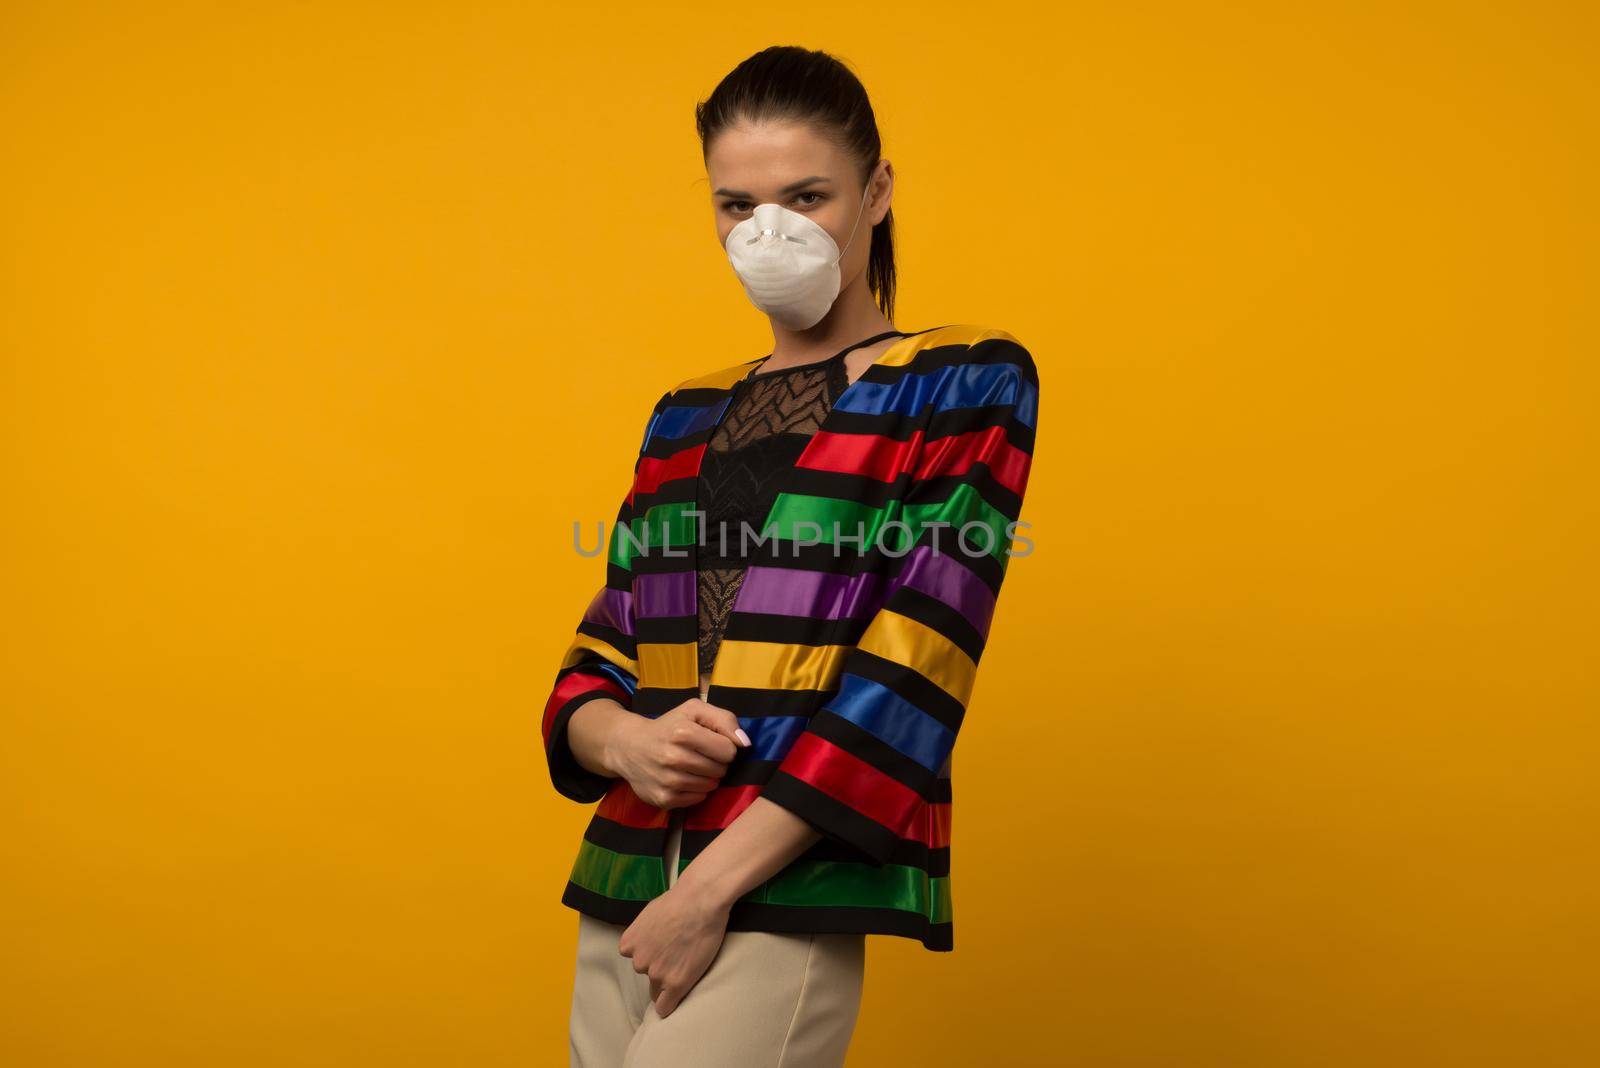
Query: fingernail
x: 742, y: 736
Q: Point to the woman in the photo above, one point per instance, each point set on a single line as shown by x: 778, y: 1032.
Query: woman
x: 764, y: 695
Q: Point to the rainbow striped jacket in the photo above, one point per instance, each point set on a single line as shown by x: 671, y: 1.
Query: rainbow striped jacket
x: 849, y: 658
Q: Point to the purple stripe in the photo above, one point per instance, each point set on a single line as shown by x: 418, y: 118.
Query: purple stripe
x: 781, y: 591
x: 943, y: 577
x: 612, y: 608
x: 667, y: 594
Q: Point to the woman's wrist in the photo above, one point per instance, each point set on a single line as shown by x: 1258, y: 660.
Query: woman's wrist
x: 596, y: 734
x: 759, y: 843
x: 615, y: 741
x: 714, y: 887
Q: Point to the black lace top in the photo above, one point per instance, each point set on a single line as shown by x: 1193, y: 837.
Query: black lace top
x: 772, y: 416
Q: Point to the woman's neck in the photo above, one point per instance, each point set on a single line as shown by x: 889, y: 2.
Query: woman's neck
x: 854, y: 316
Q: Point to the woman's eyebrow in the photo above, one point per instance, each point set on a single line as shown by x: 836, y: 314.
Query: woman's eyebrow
x: 792, y: 187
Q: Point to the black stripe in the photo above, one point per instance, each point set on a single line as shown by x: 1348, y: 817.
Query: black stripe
x: 885, y: 424
x: 570, y: 778
x: 870, y: 841
x: 672, y: 491
x: 586, y: 667
x: 933, y: 860
x: 838, y: 919
x: 793, y: 630
x: 858, y: 489
x: 610, y: 909
x: 938, y: 616
x: 931, y: 358
x: 953, y: 421
x: 660, y: 448
x: 880, y: 754
x: 829, y: 559
x: 654, y: 700
x: 795, y: 919
x: 989, y: 351
x: 610, y: 635
x: 746, y: 701
x: 997, y: 496
x: 655, y: 562
x: 700, y: 396
x: 909, y: 684
x: 620, y: 838
x: 666, y: 630
x: 996, y: 350
x: 942, y: 540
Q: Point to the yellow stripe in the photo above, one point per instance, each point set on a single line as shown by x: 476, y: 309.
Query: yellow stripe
x: 898, y: 354
x: 669, y: 667
x: 922, y: 649
x: 773, y: 666
x: 582, y: 643
x: 716, y: 379
x: 905, y: 350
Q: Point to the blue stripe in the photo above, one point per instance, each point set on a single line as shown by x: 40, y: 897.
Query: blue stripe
x: 971, y: 385
x: 616, y: 674
x: 771, y: 737
x: 679, y: 421
x: 880, y: 711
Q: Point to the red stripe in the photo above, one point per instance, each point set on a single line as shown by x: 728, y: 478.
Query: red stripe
x: 571, y: 686
x: 872, y: 455
x: 622, y: 805
x: 720, y: 808
x: 684, y: 463
x: 852, y: 781
x: 929, y: 824
x: 884, y: 458
x: 955, y: 455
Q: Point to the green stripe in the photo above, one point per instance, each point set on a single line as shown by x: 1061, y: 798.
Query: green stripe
x: 666, y: 525
x: 964, y: 505
x: 792, y: 511
x: 801, y: 517
x: 619, y: 875
x: 846, y: 883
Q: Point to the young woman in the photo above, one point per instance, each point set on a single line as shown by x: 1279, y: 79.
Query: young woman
x: 764, y: 695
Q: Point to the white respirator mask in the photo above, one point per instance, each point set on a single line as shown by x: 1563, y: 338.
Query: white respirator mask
x: 788, y: 264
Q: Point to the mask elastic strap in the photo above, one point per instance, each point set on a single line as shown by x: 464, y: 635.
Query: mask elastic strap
x: 853, y: 225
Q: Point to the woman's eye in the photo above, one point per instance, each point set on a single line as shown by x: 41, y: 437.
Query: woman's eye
x: 739, y: 207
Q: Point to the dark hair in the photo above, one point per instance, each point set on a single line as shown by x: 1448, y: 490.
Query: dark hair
x: 787, y: 83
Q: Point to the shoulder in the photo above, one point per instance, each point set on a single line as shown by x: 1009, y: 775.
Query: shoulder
x: 691, y: 405
x: 721, y: 379
x: 701, y: 390
x: 972, y: 366
x: 966, y: 344
x: 990, y: 346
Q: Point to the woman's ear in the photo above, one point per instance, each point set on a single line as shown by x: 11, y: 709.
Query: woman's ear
x: 882, y: 185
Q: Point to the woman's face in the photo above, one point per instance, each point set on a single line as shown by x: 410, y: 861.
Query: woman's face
x: 789, y: 164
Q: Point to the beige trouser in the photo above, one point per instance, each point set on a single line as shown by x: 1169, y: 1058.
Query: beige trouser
x: 768, y: 1000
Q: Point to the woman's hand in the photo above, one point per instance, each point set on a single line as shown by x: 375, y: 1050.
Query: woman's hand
x: 674, y: 940
x: 677, y: 758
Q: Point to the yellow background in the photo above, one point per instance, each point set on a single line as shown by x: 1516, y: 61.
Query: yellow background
x: 321, y: 323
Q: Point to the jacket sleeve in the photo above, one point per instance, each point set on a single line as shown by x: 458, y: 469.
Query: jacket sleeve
x: 602, y: 659
x: 868, y: 765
